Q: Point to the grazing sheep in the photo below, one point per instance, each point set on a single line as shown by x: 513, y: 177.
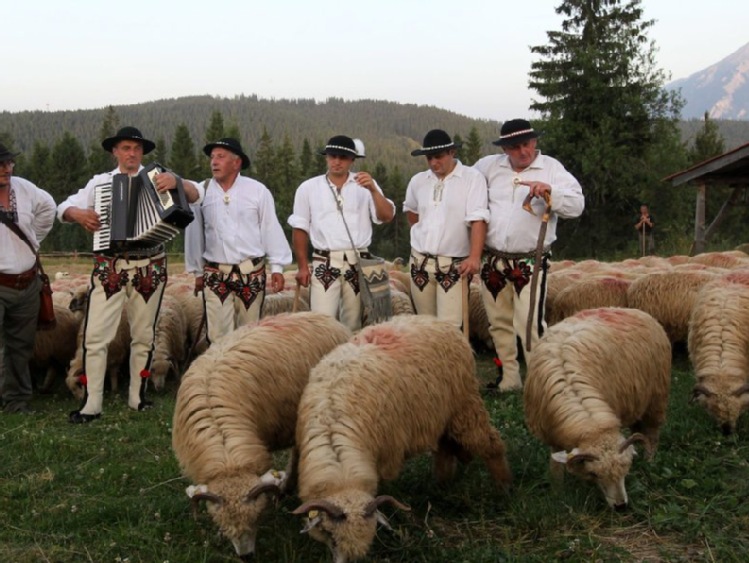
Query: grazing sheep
x: 236, y: 404
x: 478, y: 322
x: 397, y: 389
x: 401, y: 303
x: 55, y: 348
x: 728, y: 259
x: 403, y: 277
x: 170, y: 340
x: 590, y: 375
x: 589, y: 293
x: 669, y: 298
x: 719, y: 348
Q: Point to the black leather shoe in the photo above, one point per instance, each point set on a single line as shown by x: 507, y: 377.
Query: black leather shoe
x: 145, y: 405
x: 77, y: 417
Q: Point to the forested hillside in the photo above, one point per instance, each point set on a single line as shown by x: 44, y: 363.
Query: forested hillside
x: 61, y: 150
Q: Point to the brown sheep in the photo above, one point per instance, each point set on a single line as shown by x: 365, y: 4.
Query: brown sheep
x: 372, y: 403
x: 591, y: 375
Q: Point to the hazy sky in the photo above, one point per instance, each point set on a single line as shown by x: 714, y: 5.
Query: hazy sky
x: 468, y: 56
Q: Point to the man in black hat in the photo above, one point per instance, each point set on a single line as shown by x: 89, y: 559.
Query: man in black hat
x: 446, y: 207
x: 320, y: 205
x: 134, y: 281
x: 513, y: 237
x: 234, y: 233
x: 31, y: 210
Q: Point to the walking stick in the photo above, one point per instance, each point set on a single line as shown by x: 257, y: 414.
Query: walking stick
x: 537, y: 258
x: 643, y: 238
x: 465, y: 307
x: 295, y: 306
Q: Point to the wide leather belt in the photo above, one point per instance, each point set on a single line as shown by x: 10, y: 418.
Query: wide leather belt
x: 18, y: 281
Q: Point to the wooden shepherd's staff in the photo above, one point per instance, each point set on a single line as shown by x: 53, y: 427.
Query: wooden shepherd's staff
x: 538, y: 257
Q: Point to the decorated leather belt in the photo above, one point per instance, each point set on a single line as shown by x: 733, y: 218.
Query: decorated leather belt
x: 255, y: 262
x: 18, y: 281
x: 515, y: 255
x: 326, y: 253
x: 137, y: 254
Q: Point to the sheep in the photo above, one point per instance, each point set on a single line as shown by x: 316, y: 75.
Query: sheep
x: 236, y: 404
x: 55, y: 348
x: 669, y: 298
x: 728, y: 259
x: 590, y: 375
x: 401, y: 303
x: 589, y: 293
x: 396, y: 389
x: 478, y: 322
x: 170, y: 339
x: 718, y: 347
x: 403, y: 277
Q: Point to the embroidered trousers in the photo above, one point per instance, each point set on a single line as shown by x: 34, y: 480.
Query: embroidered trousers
x: 138, y: 286
x: 334, y: 289
x: 436, y: 287
x: 233, y: 296
x: 505, y: 291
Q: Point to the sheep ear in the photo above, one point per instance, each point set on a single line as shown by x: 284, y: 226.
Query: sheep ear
x: 383, y: 521
x: 274, y: 477
x: 564, y: 457
x: 312, y: 521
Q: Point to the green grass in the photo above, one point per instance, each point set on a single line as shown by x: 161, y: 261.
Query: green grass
x: 111, y: 491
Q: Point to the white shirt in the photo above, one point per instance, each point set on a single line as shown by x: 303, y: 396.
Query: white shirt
x: 511, y: 228
x: 446, y: 214
x: 36, y: 215
x: 316, y: 212
x: 235, y: 225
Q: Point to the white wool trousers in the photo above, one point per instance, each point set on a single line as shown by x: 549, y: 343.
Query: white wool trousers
x: 233, y: 296
x: 508, y: 314
x: 332, y: 287
x: 436, y: 288
x: 138, y: 286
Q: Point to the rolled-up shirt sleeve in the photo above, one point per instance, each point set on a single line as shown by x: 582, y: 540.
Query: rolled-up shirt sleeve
x: 477, y: 203
x: 300, y: 216
x: 44, y: 214
x: 195, y: 242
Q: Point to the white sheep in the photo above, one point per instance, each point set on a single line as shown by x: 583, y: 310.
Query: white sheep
x: 591, y: 375
x: 669, y: 298
x: 719, y: 348
x: 236, y: 404
x: 55, y: 348
x: 170, y: 342
x: 397, y: 389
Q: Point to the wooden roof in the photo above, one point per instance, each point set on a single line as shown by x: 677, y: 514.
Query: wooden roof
x: 731, y: 168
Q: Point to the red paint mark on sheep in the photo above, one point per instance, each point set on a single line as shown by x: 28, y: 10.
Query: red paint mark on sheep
x: 609, y: 315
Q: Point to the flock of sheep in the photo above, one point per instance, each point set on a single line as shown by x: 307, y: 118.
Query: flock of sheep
x: 353, y: 408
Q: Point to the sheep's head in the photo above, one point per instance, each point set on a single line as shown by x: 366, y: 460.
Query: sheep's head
x: 160, y: 370
x: 605, y: 463
x: 236, y: 503
x: 724, y: 407
x: 346, y: 522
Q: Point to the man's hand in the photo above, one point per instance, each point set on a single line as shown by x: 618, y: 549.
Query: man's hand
x: 276, y: 282
x: 303, y: 276
x: 198, y: 285
x: 165, y: 181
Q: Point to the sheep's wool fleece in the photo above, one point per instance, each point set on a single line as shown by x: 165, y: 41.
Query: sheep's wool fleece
x: 388, y: 394
x: 719, y: 332
x: 238, y: 401
x: 600, y: 369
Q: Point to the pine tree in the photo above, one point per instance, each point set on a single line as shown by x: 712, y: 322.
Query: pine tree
x: 215, y: 129
x: 100, y: 160
x: 305, y: 160
x: 182, y: 158
x: 69, y: 165
x: 472, y: 147
x: 707, y: 143
x: 265, y: 164
x: 460, y: 152
x: 607, y: 116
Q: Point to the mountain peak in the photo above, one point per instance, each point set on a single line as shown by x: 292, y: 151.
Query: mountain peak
x: 721, y: 89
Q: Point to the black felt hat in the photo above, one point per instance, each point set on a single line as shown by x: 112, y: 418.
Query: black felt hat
x: 129, y: 134
x: 6, y: 155
x: 436, y: 141
x: 342, y: 146
x: 231, y: 145
x: 514, y: 132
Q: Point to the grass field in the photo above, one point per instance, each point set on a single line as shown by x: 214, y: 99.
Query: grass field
x: 111, y: 491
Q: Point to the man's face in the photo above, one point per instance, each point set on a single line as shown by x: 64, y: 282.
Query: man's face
x: 129, y: 155
x: 6, y: 171
x: 441, y: 163
x: 339, y: 165
x: 225, y: 165
x: 522, y: 154
x: 643, y: 210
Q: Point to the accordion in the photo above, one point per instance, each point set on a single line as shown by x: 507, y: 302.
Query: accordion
x: 135, y: 216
